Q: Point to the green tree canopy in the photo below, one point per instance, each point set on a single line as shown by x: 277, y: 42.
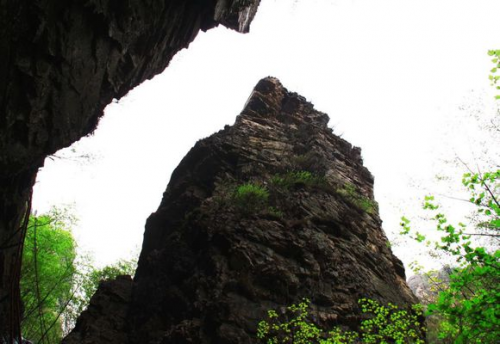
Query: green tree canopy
x: 48, y: 274
x: 57, y: 283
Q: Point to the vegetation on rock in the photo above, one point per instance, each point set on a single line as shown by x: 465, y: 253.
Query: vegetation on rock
x: 352, y: 195
x: 269, y: 228
x: 463, y: 309
x: 383, y: 324
x: 251, y: 197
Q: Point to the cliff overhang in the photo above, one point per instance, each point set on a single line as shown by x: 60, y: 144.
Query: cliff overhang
x: 62, y: 62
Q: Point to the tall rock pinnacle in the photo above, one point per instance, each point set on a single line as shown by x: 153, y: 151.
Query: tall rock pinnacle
x: 215, y: 258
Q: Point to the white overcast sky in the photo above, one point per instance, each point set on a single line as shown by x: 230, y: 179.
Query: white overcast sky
x: 392, y: 75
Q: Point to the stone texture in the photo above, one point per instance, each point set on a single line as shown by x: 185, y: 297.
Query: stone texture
x: 209, y: 270
x: 104, y: 321
x: 62, y: 62
x: 210, y: 267
x: 426, y: 286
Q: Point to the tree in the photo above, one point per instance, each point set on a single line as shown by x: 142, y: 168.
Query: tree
x: 48, y: 274
x: 56, y: 282
x: 469, y: 308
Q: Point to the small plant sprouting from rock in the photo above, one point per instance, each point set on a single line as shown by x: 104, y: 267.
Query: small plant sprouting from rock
x: 385, y: 324
x: 251, y: 197
x: 351, y: 194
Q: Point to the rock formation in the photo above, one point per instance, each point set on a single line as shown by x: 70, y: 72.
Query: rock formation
x: 426, y: 286
x: 260, y: 215
x: 105, y: 318
x: 62, y: 62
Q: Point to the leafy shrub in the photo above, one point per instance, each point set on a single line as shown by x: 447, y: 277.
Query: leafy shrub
x: 390, y: 323
x: 251, y: 197
x: 468, y: 308
x: 386, y: 324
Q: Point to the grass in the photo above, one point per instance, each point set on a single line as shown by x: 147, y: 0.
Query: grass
x: 250, y: 197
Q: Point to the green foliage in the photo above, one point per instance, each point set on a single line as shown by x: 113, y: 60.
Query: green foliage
x: 251, y: 198
x: 390, y: 324
x: 469, y: 308
x: 484, y: 194
x: 385, y: 324
x: 48, y: 273
x: 295, y: 330
x: 494, y: 77
x: 56, y: 284
x: 353, y: 196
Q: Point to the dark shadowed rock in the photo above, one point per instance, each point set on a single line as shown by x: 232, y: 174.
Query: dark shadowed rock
x: 212, y: 264
x: 61, y: 63
x: 209, y: 269
x: 104, y: 321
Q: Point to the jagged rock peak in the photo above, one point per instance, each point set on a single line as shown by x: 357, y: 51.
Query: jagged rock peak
x: 213, y: 262
x: 271, y: 99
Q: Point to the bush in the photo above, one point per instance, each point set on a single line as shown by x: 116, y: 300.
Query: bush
x: 467, y: 310
x: 385, y: 324
x: 251, y: 198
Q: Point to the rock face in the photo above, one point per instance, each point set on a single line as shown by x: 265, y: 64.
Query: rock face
x: 426, y: 286
x: 104, y: 321
x: 215, y: 258
x: 62, y: 62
